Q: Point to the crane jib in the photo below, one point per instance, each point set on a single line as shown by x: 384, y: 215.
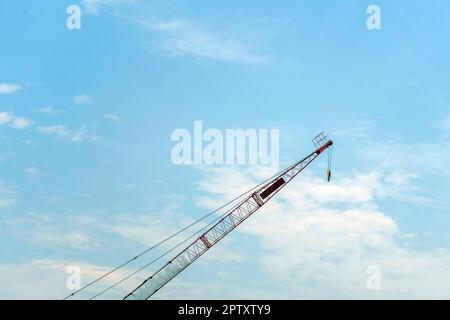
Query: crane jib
x: 223, y: 227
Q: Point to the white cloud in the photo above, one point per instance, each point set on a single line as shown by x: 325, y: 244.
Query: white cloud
x: 88, y: 231
x: 6, y: 88
x: 48, y: 231
x: 57, y: 130
x: 359, y: 188
x: 7, y: 118
x: 405, y: 165
x: 82, y: 99
x: 318, y: 239
x: 112, y: 117
x: 98, y: 232
x: 20, y: 123
x: 47, y: 110
x: 185, y: 38
x: 80, y: 135
x: 47, y: 278
x: 61, y: 131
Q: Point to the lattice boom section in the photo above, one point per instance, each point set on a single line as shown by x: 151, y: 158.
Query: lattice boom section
x: 231, y: 221
x: 195, y: 250
x: 159, y: 279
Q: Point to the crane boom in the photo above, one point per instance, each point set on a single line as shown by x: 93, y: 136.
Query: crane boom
x: 234, y: 218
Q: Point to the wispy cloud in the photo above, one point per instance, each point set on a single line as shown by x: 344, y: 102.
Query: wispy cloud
x: 7, y: 118
x: 112, y: 117
x: 20, y: 123
x: 61, y: 131
x: 93, y: 229
x: 94, y: 6
x: 45, y: 230
x: 80, y: 135
x: 49, y: 110
x: 183, y: 37
x: 186, y: 38
x: 56, y: 130
x: 7, y: 88
x: 82, y: 99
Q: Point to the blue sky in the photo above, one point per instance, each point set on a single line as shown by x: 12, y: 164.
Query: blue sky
x: 86, y: 118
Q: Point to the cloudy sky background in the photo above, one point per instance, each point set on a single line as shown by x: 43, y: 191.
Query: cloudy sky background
x: 86, y: 117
